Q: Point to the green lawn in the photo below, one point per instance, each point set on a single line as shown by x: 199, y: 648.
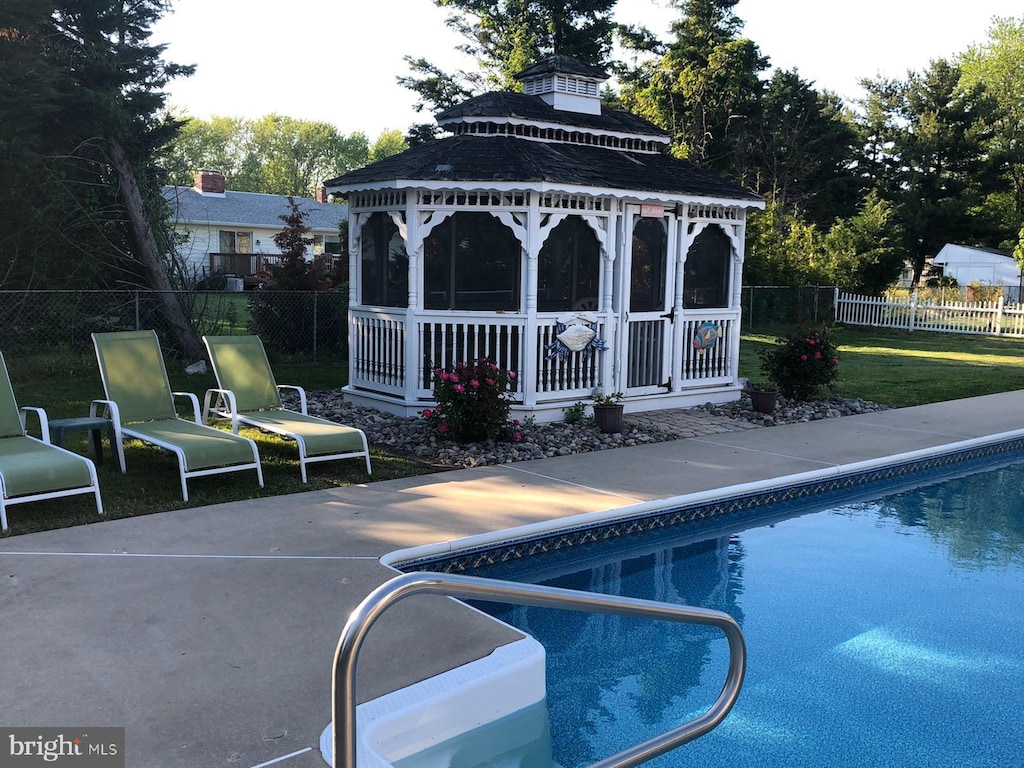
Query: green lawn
x: 903, y: 368
x: 892, y: 367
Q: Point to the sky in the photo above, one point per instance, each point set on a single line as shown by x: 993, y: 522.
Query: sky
x: 336, y: 60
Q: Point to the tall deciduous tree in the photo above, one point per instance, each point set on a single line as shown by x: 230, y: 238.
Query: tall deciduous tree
x: 998, y: 63
x: 275, y: 154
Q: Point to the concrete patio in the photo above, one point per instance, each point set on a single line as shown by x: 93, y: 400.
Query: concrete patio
x: 209, y: 633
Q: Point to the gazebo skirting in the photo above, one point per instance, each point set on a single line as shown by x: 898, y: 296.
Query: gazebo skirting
x: 657, y: 363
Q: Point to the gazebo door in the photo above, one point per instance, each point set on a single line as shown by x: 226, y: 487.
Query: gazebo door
x: 648, y: 282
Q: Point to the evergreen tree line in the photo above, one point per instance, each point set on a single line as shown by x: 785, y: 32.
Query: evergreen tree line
x: 852, y: 190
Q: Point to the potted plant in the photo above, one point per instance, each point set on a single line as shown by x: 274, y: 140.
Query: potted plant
x: 763, y: 397
x: 608, y: 412
x: 801, y: 364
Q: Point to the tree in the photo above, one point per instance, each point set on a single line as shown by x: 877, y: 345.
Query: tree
x: 998, y: 64
x: 387, y: 144
x: 506, y: 36
x: 705, y: 88
x: 275, y: 154
x: 932, y: 151
x: 862, y: 253
x: 93, y: 124
x: 803, y: 149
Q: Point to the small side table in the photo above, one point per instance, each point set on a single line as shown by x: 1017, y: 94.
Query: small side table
x: 95, y: 425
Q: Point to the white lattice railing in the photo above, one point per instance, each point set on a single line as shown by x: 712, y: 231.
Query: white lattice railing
x: 985, y: 317
x: 448, y: 338
x: 572, y: 377
x: 378, y: 349
x: 701, y: 364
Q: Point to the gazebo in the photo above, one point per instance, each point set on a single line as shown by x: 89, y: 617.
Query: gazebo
x: 556, y: 238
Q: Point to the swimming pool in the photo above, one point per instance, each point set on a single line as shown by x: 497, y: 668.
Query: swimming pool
x: 884, y: 632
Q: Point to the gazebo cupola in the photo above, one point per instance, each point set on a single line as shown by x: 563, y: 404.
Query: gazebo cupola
x: 565, y: 84
x: 555, y: 237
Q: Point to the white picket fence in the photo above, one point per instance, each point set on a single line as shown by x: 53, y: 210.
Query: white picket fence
x: 994, y: 318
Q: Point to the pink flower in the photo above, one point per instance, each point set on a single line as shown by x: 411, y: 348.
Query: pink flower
x: 474, y: 383
x: 811, y: 342
x: 442, y: 428
x: 437, y: 371
x: 515, y: 422
x: 491, y: 382
x: 427, y: 413
x: 494, y: 367
x: 835, y: 361
x: 459, y: 388
x: 511, y: 374
x: 517, y: 436
x: 803, y: 357
x: 453, y: 378
x: 817, y: 355
x: 445, y: 377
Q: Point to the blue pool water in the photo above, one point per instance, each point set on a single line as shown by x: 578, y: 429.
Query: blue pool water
x: 880, y: 633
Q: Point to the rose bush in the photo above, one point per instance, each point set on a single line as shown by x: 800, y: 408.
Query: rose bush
x: 473, y: 402
x: 802, y: 364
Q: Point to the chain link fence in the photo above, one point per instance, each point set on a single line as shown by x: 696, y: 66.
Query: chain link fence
x: 768, y: 307
x: 293, y: 324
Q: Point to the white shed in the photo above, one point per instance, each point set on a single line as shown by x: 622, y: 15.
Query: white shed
x: 987, y: 266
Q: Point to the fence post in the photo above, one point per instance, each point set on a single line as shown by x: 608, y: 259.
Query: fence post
x: 999, y: 317
x: 913, y: 310
x: 315, y: 316
x: 138, y: 322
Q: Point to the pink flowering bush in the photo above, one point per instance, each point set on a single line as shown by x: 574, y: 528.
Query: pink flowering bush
x: 473, y: 403
x: 802, y: 364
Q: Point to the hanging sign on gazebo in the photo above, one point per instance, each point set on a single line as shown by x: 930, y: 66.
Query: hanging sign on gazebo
x: 706, y: 337
x: 575, y: 332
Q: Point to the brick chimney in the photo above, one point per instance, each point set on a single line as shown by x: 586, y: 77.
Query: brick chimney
x: 209, y: 182
x: 321, y: 194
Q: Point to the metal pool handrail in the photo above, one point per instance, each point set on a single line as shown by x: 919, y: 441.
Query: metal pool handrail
x: 490, y: 590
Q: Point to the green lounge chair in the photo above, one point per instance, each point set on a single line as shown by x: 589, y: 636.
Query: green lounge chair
x: 249, y: 394
x: 141, y: 406
x: 32, y: 469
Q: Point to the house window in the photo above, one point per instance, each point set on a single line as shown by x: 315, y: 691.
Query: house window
x: 569, y: 268
x: 235, y: 242
x: 707, y: 269
x: 384, y: 263
x: 471, y: 261
x: 648, y: 266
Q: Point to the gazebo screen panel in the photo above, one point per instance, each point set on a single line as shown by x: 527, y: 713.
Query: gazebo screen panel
x: 707, y: 268
x: 471, y: 262
x: 384, y: 264
x: 569, y: 268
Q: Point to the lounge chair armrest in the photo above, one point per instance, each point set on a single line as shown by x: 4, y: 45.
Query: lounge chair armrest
x: 44, y: 425
x: 210, y: 405
x: 302, y: 395
x: 110, y: 411
x: 195, y: 404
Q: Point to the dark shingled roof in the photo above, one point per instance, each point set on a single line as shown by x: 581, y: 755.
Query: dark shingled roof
x: 470, y: 158
x: 564, y: 64
x: 534, y: 108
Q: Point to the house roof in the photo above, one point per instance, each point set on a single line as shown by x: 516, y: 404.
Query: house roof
x: 470, y: 158
x: 249, y: 209
x: 952, y: 252
x: 519, y: 106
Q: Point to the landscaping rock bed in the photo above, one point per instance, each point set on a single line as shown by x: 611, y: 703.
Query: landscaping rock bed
x: 411, y: 437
